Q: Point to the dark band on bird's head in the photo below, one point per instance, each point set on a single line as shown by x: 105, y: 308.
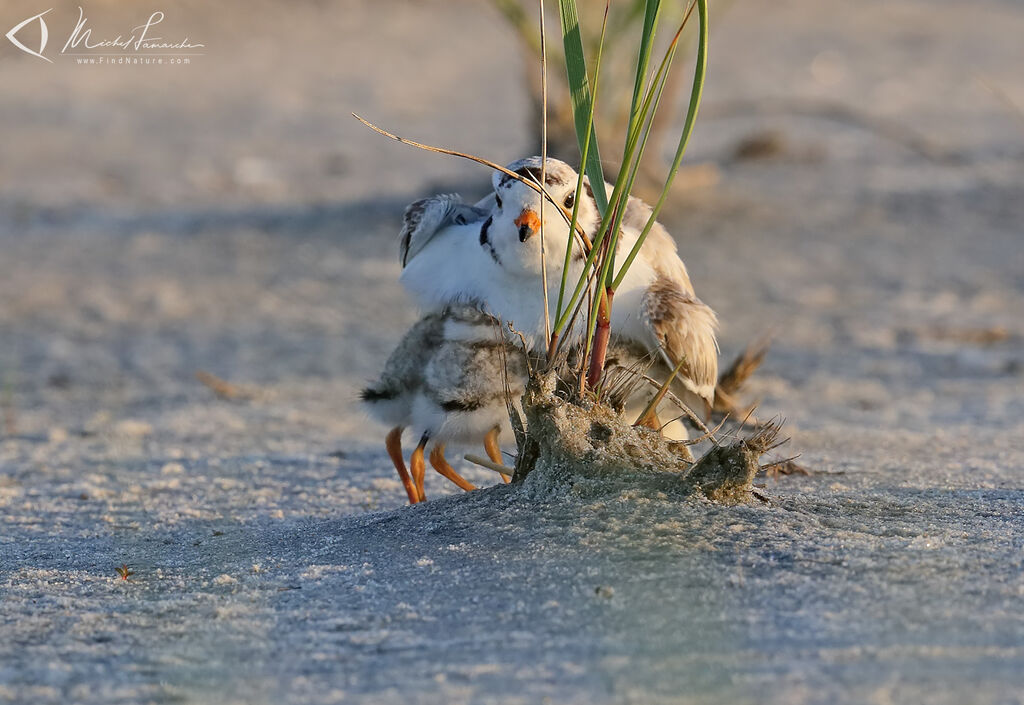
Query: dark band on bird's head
x: 532, y: 173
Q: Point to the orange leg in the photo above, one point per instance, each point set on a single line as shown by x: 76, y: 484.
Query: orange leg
x: 493, y: 451
x: 441, y: 465
x: 419, y: 468
x: 393, y: 442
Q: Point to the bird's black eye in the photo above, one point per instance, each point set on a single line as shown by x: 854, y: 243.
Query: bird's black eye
x: 497, y: 200
x: 460, y: 219
x: 569, y: 200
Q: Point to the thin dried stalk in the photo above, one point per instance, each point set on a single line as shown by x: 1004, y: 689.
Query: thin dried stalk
x: 223, y: 388
x: 543, y: 165
x: 490, y: 465
x: 732, y: 380
x: 580, y: 233
x: 648, y: 412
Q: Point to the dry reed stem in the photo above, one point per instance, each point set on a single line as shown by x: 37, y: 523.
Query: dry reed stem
x: 224, y: 389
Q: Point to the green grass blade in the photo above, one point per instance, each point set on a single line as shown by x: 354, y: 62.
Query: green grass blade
x: 579, y: 181
x: 580, y: 285
x: 651, y: 14
x: 643, y: 129
x: 582, y: 103
x: 634, y: 150
x: 699, y: 75
x: 641, y: 123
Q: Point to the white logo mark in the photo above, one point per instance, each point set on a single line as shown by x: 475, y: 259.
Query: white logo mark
x: 44, y: 34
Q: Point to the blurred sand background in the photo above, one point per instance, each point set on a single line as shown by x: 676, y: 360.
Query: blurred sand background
x: 230, y: 216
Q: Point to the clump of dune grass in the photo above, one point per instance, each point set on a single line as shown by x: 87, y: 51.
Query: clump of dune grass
x: 571, y: 423
x: 587, y: 447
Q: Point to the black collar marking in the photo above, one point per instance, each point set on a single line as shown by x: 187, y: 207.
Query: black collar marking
x: 486, y: 241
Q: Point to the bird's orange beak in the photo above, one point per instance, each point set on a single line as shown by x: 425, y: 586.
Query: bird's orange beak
x: 528, y: 223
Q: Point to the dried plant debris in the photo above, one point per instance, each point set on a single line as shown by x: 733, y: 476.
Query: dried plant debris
x: 224, y: 389
x: 979, y: 336
x: 734, y: 379
x: 9, y: 409
x: 588, y: 448
x: 725, y: 473
x: 760, y: 145
x: 786, y: 466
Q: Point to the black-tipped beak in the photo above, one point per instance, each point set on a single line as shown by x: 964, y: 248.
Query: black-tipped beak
x: 529, y: 223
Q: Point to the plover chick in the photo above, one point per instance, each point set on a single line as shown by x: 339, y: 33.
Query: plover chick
x: 447, y: 377
x: 449, y: 380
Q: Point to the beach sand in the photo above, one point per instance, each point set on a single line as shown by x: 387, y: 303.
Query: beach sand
x: 229, y: 216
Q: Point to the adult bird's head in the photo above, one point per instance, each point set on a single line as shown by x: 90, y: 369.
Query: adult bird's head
x: 518, y: 210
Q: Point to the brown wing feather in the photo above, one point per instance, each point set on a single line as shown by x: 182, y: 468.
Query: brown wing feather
x: 684, y: 327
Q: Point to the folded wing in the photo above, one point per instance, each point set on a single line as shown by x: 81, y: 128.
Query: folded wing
x: 424, y: 218
x: 684, y: 328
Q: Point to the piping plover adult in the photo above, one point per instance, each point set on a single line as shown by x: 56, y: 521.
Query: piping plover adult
x: 655, y: 306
